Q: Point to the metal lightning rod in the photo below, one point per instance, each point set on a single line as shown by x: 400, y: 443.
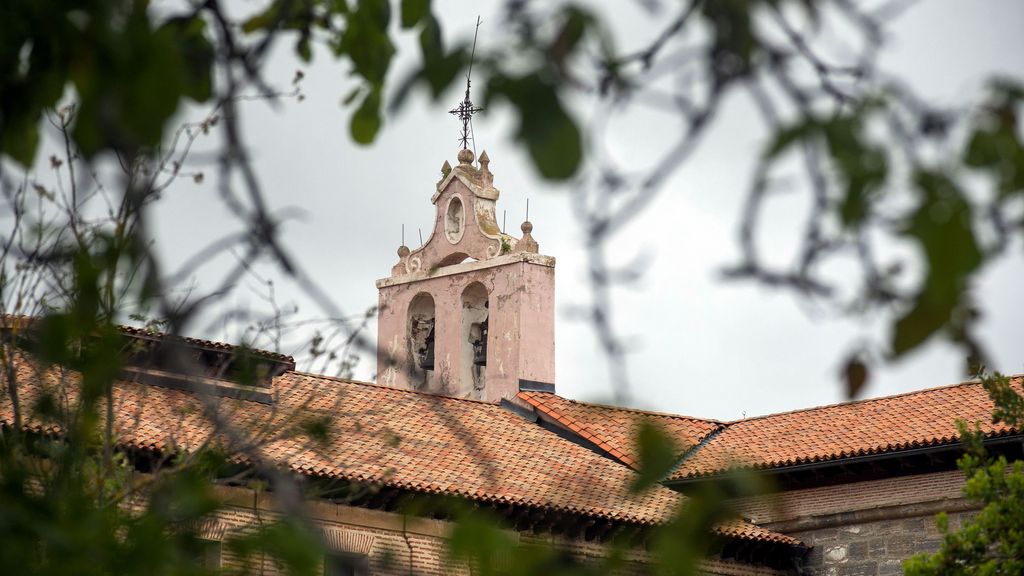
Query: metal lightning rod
x: 465, y: 110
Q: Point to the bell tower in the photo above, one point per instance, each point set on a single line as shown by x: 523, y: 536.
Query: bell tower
x: 470, y: 313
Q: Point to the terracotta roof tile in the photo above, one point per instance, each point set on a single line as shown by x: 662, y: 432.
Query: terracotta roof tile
x: 613, y: 429
x: 747, y: 531
x: 145, y: 333
x: 408, y: 440
x: 22, y: 322
x: 875, y: 426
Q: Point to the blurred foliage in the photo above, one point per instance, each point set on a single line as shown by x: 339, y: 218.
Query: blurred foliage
x: 128, y: 71
x: 675, y: 548
x: 991, y: 542
x: 868, y: 138
x: 944, y: 222
x: 127, y: 67
x: 658, y: 453
x: 72, y: 502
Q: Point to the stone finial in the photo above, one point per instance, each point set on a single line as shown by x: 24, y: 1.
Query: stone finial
x: 403, y: 261
x: 466, y: 156
x: 401, y: 266
x: 446, y: 169
x: 485, y: 171
x: 527, y: 243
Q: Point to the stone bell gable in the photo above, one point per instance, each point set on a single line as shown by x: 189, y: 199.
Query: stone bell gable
x: 470, y: 313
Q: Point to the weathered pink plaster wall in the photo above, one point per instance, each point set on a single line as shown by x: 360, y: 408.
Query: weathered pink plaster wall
x: 521, y: 337
x: 463, y: 250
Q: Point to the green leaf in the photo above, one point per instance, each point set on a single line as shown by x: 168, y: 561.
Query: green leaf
x: 982, y: 149
x: 733, y: 39
x: 366, y: 40
x: 20, y: 140
x: 34, y: 84
x: 855, y: 375
x: 197, y: 55
x: 264, y: 20
x: 995, y: 146
x: 413, y: 11
x: 351, y: 96
x: 658, y: 455
x: 1009, y: 405
x: 787, y: 136
x: 303, y: 48
x: 545, y: 127
x: 54, y: 337
x: 941, y: 226
x: 287, y: 541
x: 366, y: 120
x: 574, y: 27
x: 129, y: 85
x: 555, y: 144
x: 477, y: 537
x: 439, y: 69
x: 862, y: 168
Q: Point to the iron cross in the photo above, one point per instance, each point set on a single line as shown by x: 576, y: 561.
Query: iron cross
x: 465, y: 110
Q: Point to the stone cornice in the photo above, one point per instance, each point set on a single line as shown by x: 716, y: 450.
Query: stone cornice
x: 526, y: 257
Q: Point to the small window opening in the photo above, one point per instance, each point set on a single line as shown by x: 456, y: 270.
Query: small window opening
x: 345, y: 564
x: 209, y: 553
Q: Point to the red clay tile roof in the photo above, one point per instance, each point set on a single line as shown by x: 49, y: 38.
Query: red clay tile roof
x: 742, y: 530
x: 472, y: 449
x: 145, y: 333
x: 384, y: 436
x: 21, y: 322
x: 613, y: 429
x: 875, y: 426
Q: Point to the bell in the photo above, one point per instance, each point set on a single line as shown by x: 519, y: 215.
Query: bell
x: 480, y: 347
x: 427, y: 354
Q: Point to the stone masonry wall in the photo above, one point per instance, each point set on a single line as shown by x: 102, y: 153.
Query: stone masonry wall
x: 863, y: 528
x: 872, y: 548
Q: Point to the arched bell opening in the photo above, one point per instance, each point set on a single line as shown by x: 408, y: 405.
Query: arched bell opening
x: 422, y: 320
x: 475, y: 328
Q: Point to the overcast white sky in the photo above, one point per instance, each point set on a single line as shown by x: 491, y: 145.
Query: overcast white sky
x: 702, y: 347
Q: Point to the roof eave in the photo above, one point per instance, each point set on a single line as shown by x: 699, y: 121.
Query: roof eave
x: 836, y: 462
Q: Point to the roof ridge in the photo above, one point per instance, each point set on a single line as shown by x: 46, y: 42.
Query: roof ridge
x: 147, y: 332
x: 15, y: 321
x: 965, y: 383
x: 692, y: 452
x: 629, y: 409
x: 585, y: 432
x: 385, y: 387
